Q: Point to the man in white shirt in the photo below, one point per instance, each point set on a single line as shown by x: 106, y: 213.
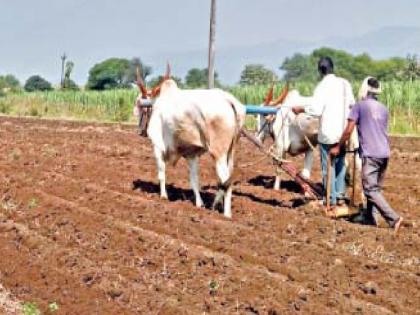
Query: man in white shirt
x: 332, y: 100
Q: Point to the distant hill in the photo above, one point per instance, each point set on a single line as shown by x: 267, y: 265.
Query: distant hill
x: 383, y: 43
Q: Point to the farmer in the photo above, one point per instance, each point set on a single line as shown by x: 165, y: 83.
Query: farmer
x: 332, y: 100
x: 371, y: 118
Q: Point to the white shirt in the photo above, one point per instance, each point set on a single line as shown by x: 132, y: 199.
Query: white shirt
x: 332, y: 100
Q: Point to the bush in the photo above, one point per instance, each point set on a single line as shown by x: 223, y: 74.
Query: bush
x: 4, y: 107
x: 37, y: 83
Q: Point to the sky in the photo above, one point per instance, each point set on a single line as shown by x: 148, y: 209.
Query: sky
x: 33, y: 34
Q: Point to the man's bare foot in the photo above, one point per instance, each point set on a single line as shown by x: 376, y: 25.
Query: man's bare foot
x: 398, y: 225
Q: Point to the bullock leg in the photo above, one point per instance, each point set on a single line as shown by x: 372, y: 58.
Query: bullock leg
x: 279, y: 149
x: 228, y: 193
x: 194, y: 180
x: 307, y: 164
x: 161, y: 166
x: 307, y: 167
x: 277, y: 180
x: 223, y: 170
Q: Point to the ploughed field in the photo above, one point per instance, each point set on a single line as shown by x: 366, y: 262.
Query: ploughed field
x: 82, y: 225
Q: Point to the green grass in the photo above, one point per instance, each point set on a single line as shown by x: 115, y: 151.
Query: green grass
x: 401, y: 98
x: 115, y: 105
x: 30, y: 308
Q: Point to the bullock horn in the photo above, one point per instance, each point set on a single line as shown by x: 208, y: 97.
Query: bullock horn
x: 167, y: 76
x: 140, y: 83
x: 269, y: 96
x: 168, y: 71
x: 282, y: 95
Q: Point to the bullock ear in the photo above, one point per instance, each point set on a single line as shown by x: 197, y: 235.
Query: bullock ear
x: 282, y: 95
x: 269, y: 96
x: 140, y: 84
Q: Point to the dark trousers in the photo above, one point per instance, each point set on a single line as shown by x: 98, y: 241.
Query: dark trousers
x: 373, y: 174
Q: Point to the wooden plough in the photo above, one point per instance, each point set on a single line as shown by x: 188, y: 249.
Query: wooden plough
x: 308, y: 186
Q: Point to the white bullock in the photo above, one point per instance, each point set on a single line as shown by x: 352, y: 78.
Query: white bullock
x: 295, y: 134
x: 188, y: 123
x: 292, y: 134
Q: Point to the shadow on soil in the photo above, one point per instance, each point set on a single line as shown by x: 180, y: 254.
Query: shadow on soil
x: 288, y: 185
x: 268, y: 183
x: 174, y: 193
x: 180, y: 194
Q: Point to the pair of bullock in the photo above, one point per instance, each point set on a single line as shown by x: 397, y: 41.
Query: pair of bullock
x: 188, y: 123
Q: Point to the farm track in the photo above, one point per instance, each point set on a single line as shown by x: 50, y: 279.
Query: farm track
x: 82, y: 220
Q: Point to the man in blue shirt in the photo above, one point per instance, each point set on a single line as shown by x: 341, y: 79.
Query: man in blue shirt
x: 371, y: 118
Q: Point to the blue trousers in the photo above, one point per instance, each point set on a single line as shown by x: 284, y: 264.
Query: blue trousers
x: 338, y: 173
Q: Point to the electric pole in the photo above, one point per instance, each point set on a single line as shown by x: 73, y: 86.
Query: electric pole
x: 212, y: 49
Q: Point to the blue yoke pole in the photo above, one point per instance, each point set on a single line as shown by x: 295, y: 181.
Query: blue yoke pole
x: 250, y: 109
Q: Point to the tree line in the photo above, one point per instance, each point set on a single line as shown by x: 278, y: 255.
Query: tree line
x: 119, y: 73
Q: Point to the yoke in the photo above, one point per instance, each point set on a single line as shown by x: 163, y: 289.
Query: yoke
x: 250, y: 109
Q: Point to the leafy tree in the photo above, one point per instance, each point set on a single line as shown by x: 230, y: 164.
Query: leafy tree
x: 198, y: 78
x: 390, y: 69
x: 68, y: 83
x: 300, y: 67
x: 116, y: 73
x: 412, y: 68
x: 356, y: 68
x: 69, y: 69
x: 256, y: 74
x: 109, y: 74
x: 359, y: 67
x: 9, y: 83
x: 131, y: 74
x: 37, y: 83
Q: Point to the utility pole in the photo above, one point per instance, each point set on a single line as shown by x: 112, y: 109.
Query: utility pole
x: 212, y: 49
x: 63, y: 61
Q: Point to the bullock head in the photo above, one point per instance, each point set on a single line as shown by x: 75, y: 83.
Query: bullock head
x: 268, y: 101
x: 265, y: 124
x: 144, y: 112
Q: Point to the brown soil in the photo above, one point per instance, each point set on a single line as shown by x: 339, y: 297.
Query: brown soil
x: 82, y: 225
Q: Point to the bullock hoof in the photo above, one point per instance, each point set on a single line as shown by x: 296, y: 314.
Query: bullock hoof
x: 218, y: 201
x: 217, y: 205
x: 277, y: 184
x: 164, y: 197
x: 228, y: 214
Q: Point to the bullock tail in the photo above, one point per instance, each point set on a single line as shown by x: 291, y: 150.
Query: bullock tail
x: 238, y: 127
